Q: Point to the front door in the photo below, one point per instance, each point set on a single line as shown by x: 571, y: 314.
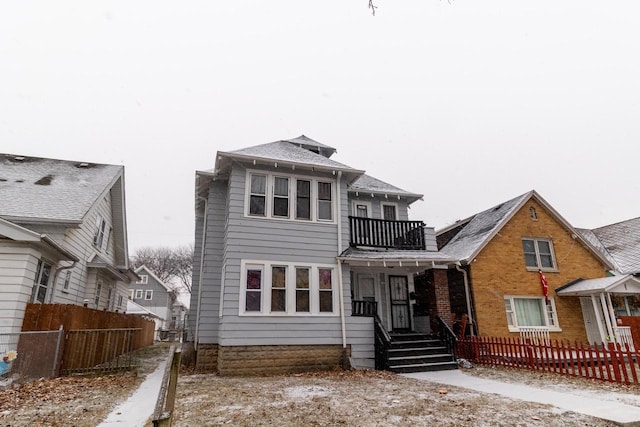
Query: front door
x: 594, y: 334
x: 399, y: 292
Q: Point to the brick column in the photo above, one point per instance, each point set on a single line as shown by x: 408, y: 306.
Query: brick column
x: 443, y: 305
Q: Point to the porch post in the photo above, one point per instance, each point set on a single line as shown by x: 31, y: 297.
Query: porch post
x: 607, y: 315
x: 612, y: 316
x: 443, y: 304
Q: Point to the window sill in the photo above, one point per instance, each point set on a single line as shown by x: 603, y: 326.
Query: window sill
x: 256, y: 314
x: 542, y: 328
x: 544, y: 269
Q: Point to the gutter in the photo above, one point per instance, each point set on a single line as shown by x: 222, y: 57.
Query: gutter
x: 55, y: 279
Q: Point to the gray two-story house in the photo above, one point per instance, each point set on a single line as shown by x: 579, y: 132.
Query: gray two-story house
x: 299, y: 260
x: 156, y: 296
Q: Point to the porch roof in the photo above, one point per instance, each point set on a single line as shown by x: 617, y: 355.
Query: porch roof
x: 625, y: 284
x: 395, y: 257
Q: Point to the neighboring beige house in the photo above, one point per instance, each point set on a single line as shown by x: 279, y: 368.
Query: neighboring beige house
x: 63, y: 236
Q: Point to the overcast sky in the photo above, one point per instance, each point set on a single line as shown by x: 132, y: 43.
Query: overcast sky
x: 470, y: 103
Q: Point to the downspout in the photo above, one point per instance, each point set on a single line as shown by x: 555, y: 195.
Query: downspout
x: 466, y: 294
x: 55, y: 279
x: 340, y: 282
x: 201, y: 268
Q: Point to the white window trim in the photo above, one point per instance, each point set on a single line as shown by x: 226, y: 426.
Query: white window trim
x: 553, y: 255
x: 516, y: 328
x: 314, y: 291
x: 138, y: 294
x: 131, y: 294
x: 292, y: 197
x: 144, y: 279
x: 394, y: 205
x: 101, y: 229
x: 66, y: 281
x: 354, y: 205
x: 148, y: 295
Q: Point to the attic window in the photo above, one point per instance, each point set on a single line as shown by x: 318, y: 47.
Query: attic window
x: 532, y: 214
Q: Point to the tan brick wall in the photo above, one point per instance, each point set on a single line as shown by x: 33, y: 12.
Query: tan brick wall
x: 267, y: 360
x: 500, y: 270
x: 207, y: 357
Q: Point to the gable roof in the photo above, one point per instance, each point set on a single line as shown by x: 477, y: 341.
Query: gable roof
x: 620, y: 242
x: 478, y: 230
x: 368, y: 184
x: 145, y: 269
x: 34, y: 189
x: 625, y: 284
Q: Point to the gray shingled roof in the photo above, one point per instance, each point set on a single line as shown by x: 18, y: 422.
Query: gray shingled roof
x: 369, y: 184
x: 589, y: 236
x: 481, y: 228
x: 308, y: 142
x: 48, y: 189
x: 287, y: 152
x: 622, y: 242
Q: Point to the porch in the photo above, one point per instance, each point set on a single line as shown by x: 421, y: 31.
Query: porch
x: 388, y: 234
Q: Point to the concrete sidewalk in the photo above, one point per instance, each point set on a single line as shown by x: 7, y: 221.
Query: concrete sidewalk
x: 606, y: 406
x: 139, y: 407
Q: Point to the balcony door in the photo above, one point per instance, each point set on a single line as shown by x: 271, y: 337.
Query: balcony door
x: 399, y: 295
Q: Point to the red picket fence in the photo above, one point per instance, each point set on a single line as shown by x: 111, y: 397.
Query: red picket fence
x: 606, y: 362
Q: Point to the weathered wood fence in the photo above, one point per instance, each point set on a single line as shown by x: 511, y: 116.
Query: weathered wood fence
x: 607, y: 361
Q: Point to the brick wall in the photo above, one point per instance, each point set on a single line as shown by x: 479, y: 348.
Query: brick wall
x: 207, y: 357
x: 267, y: 360
x: 499, y: 270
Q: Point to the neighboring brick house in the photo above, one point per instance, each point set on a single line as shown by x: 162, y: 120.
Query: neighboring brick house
x: 156, y: 296
x: 63, y: 236
x: 502, y: 251
x: 296, y: 255
x: 620, y: 243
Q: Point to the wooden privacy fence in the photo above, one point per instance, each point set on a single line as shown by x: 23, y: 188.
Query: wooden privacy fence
x: 606, y: 362
x: 100, y: 350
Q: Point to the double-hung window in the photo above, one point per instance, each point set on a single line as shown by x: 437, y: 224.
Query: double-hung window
x: 98, y: 237
x: 282, y: 196
x: 138, y: 294
x: 529, y: 311
x: 41, y: 282
x: 303, y: 199
x: 302, y: 290
x: 325, y: 204
x: 538, y: 254
x: 253, y: 288
x: 278, y: 289
x: 283, y: 289
x: 148, y: 294
x: 258, y: 195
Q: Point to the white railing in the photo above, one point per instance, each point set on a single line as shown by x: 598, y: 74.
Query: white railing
x: 623, y: 335
x: 536, y: 335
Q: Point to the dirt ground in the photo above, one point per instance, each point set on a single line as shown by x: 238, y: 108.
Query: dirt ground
x: 360, y: 398
x: 357, y: 398
x: 76, y: 400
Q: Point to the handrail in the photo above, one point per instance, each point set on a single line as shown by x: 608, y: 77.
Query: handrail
x: 384, y: 233
x: 382, y: 344
x: 447, y: 336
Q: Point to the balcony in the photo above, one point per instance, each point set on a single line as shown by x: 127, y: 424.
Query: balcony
x: 383, y: 233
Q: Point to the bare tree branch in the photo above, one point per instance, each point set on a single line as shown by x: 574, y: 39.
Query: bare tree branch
x: 169, y: 264
x: 372, y: 7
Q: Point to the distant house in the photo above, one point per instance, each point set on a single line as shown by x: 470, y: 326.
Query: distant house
x: 302, y: 257
x: 63, y: 236
x: 156, y: 296
x: 507, y: 253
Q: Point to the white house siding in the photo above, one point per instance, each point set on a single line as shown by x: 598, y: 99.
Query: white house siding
x: 18, y: 266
